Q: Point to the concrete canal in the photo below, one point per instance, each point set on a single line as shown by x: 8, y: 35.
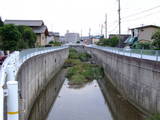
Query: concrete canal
x: 80, y: 91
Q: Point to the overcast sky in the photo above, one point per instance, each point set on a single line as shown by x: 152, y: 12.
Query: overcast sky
x: 80, y: 15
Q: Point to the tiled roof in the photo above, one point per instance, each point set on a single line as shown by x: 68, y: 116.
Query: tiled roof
x: 40, y: 29
x: 30, y: 23
x: 146, y: 26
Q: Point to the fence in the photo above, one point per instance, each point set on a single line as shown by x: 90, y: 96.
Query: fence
x: 138, y: 53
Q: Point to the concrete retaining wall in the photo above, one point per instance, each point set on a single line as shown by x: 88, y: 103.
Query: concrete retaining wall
x: 47, y: 97
x: 137, y: 80
x: 33, y: 77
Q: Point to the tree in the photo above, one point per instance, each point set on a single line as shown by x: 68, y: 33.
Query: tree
x: 28, y: 37
x: 10, y: 36
x: 112, y: 42
x: 156, y: 39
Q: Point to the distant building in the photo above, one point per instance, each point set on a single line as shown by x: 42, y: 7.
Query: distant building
x: 72, y: 37
x: 50, y: 37
x: 93, y: 39
x: 37, y: 26
x: 62, y: 39
x: 96, y: 38
x: 86, y: 40
x: 56, y: 36
x: 142, y: 34
x: 123, y: 38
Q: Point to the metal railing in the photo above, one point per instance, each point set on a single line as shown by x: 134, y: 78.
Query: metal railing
x: 138, y: 53
x: 9, y: 71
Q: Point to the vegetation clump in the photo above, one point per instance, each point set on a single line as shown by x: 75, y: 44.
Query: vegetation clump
x: 55, y: 43
x: 74, y: 54
x: 13, y: 37
x: 154, y: 117
x: 112, y: 42
x: 79, y: 70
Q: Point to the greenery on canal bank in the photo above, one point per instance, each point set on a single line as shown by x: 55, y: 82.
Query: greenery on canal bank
x: 80, y: 71
x: 154, y: 117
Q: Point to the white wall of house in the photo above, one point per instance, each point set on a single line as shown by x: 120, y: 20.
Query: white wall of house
x: 146, y: 33
x: 43, y: 39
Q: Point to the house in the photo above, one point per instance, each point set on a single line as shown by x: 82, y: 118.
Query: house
x: 142, y: 34
x: 96, y: 38
x: 50, y: 37
x: 86, y: 39
x: 37, y: 26
x: 62, y: 39
x: 123, y: 38
x: 93, y: 39
x: 56, y: 36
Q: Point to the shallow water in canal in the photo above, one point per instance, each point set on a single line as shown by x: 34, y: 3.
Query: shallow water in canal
x: 88, y: 103
x: 85, y: 103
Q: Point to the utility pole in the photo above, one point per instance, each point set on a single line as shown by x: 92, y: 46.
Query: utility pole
x: 90, y: 35
x: 119, y: 18
x: 101, y: 29
x: 106, y: 26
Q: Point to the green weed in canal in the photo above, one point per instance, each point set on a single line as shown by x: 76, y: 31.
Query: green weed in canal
x: 79, y: 70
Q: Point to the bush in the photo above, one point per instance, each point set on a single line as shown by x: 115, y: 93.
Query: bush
x: 142, y: 45
x: 156, y: 39
x: 154, y: 117
x: 73, y: 54
x: 55, y: 43
x: 84, y: 57
x: 112, y: 42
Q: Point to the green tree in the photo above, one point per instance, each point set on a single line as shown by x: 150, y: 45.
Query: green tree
x: 10, y: 36
x: 156, y: 39
x: 28, y: 37
x: 112, y: 42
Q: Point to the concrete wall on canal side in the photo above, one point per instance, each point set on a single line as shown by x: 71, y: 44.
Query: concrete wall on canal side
x: 33, y: 77
x: 138, y: 80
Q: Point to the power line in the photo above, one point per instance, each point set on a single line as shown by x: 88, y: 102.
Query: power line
x: 114, y: 28
x: 142, y: 17
x: 132, y: 15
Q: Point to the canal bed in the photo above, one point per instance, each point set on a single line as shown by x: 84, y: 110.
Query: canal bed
x: 84, y: 103
x: 88, y: 103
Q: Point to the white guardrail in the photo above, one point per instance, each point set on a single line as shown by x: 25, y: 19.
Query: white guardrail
x: 8, y: 83
x: 153, y: 55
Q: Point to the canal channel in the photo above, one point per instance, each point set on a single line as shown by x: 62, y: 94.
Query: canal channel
x: 97, y: 100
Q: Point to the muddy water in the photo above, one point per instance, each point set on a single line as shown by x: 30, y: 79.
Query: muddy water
x: 90, y: 102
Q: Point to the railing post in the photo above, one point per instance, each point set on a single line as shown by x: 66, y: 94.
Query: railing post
x: 156, y: 55
x: 2, y: 103
x: 12, y: 100
x: 141, y: 54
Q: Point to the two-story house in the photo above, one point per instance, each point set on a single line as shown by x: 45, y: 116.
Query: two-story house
x: 37, y: 26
